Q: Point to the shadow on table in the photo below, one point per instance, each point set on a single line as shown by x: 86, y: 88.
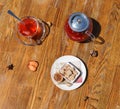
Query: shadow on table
x: 96, y: 31
x: 47, y: 26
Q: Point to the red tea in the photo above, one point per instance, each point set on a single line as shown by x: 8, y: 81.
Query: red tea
x: 29, y: 27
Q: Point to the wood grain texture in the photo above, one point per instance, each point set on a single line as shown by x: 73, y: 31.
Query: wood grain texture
x: 21, y: 88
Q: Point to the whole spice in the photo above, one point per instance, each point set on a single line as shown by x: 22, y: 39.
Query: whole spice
x: 86, y: 98
x: 10, y: 67
x: 94, y: 53
x: 33, y: 65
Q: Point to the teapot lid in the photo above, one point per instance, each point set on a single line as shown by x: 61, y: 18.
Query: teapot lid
x: 78, y: 22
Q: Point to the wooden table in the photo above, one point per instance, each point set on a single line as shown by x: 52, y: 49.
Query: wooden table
x: 21, y: 88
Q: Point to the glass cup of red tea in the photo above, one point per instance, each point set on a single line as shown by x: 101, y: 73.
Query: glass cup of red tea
x: 31, y: 31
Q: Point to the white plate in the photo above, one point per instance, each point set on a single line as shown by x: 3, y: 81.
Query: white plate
x: 60, y: 62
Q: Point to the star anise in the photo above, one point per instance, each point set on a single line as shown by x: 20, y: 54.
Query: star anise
x: 10, y: 67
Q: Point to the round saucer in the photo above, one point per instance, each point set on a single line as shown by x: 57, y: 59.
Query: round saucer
x: 77, y: 62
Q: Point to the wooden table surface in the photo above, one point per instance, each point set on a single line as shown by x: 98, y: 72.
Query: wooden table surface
x: 21, y: 88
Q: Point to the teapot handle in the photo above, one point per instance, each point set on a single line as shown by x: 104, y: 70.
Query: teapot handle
x: 92, y: 36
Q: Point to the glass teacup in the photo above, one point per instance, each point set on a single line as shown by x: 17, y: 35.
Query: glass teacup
x: 31, y: 31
